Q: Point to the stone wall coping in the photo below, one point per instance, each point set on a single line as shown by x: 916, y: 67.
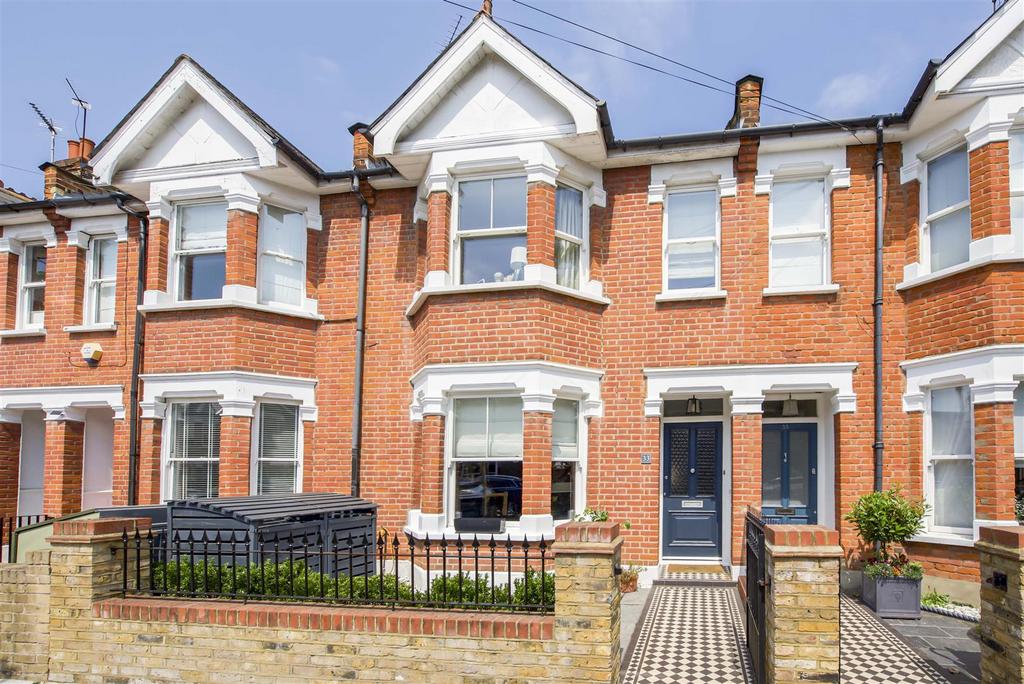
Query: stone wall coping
x: 1000, y: 550
x: 801, y: 535
x: 97, y: 527
x: 483, y: 625
x: 1010, y: 537
x: 831, y: 551
x: 588, y: 548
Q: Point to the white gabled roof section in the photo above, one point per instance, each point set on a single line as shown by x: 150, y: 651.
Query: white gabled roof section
x: 186, y: 119
x: 991, y: 58
x: 471, y: 75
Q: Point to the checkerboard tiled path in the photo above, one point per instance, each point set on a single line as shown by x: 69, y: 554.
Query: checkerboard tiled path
x: 690, y: 635
x: 694, y: 573
x: 872, y: 654
x: 693, y: 634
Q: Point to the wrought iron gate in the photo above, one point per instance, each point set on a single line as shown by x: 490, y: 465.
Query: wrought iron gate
x: 756, y: 585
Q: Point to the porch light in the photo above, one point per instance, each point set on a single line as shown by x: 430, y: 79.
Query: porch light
x: 693, y: 406
x: 789, y: 407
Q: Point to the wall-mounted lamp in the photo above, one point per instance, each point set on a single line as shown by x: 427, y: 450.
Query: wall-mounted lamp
x: 693, y: 406
x: 790, y: 408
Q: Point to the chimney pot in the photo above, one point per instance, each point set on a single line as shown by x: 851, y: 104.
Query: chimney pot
x: 74, y: 149
x: 487, y: 7
x: 87, y: 146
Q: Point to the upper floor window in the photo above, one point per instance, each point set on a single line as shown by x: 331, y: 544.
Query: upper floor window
x: 799, y: 241
x: 193, y: 460
x: 949, y: 211
x: 569, y: 236
x: 199, y: 250
x: 277, y: 456
x: 32, y: 287
x: 490, y: 244
x: 949, y: 460
x: 101, y: 280
x: 486, y: 471
x: 691, y: 240
x: 1017, y: 181
x: 282, y: 264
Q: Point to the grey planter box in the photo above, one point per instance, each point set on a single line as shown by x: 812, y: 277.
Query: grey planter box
x: 892, y: 597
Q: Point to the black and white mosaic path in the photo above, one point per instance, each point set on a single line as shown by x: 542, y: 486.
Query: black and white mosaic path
x: 694, y: 635
x: 690, y: 635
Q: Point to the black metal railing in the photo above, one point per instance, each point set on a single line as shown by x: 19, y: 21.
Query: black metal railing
x: 8, y: 525
x: 756, y: 588
x: 359, y: 569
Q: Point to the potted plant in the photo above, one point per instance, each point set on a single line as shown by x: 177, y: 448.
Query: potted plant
x: 628, y: 579
x: 891, y: 584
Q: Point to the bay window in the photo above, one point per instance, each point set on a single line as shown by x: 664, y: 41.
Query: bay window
x: 193, y: 460
x: 949, y: 460
x: 282, y: 265
x: 32, y: 287
x: 486, y: 469
x: 101, y: 280
x: 799, y: 241
x: 277, y: 454
x: 691, y: 240
x: 948, y: 220
x: 1017, y: 181
x: 569, y: 236
x: 199, y: 250
x: 565, y: 459
x: 490, y: 242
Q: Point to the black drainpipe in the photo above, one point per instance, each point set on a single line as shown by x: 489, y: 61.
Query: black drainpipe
x: 879, y: 445
x: 357, y: 403
x: 133, y: 401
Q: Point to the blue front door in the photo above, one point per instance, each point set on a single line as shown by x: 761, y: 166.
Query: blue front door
x: 789, y: 473
x: 692, y: 490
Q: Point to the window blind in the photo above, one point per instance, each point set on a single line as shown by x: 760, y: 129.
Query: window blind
x: 278, y: 461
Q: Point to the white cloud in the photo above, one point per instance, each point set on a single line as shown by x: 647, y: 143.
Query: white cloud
x: 851, y: 94
x: 323, y: 69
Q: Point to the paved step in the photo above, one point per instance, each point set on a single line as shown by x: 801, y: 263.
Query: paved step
x: 682, y: 574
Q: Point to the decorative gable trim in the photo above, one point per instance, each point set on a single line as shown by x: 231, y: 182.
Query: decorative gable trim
x: 483, y: 36
x: 956, y: 68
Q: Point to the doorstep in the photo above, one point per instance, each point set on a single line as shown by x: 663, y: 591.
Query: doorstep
x: 694, y: 573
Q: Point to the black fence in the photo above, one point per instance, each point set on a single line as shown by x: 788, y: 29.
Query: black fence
x: 756, y: 588
x: 359, y: 569
x: 8, y: 525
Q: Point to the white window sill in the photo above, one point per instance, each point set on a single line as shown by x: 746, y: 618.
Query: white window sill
x: 512, y: 531
x: 944, y: 539
x: 958, y: 268
x: 800, y: 290
x: 201, y: 304
x: 422, y: 295
x: 23, y: 332
x: 91, y: 327
x: 690, y: 295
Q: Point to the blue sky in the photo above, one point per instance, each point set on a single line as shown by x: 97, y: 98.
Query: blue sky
x: 313, y: 68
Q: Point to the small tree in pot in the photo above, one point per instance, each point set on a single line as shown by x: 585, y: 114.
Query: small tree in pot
x: 891, y: 584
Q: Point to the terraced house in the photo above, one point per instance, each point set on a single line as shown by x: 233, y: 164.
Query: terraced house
x: 504, y: 314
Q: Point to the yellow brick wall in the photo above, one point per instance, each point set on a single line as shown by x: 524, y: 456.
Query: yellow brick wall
x: 24, y: 617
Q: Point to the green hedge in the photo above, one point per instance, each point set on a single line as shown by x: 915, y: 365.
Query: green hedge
x: 295, y: 581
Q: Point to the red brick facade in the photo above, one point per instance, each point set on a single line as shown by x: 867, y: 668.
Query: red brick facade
x: 617, y: 334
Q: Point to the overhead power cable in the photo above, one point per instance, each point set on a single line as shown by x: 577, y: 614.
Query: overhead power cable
x: 599, y: 51
x: 694, y: 69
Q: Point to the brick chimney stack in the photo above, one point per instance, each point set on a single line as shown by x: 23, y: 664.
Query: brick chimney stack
x: 747, y: 111
x: 71, y: 175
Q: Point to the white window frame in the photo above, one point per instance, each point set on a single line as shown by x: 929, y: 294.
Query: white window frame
x: 262, y: 251
x: 93, y: 284
x: 580, y: 495
x: 255, y: 445
x: 929, y: 469
x: 449, y: 489
x: 1017, y: 193
x: 583, y: 242
x: 24, y: 287
x: 173, y: 264
x: 167, y: 439
x: 457, y: 236
x: 824, y: 234
x: 924, y: 233
x: 716, y: 241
